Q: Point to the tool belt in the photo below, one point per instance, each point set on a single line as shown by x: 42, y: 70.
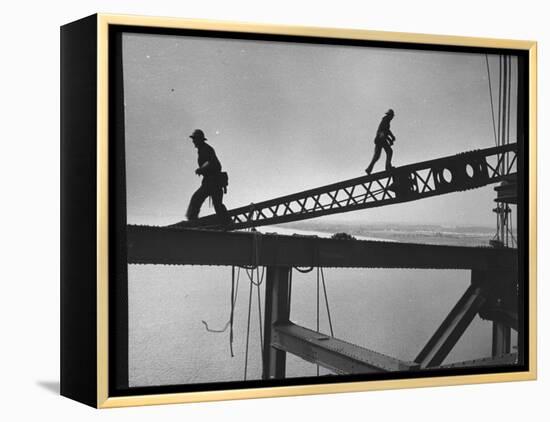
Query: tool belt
x: 223, y: 179
x: 217, y: 181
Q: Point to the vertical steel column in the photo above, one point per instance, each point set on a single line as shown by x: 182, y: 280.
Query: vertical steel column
x: 277, y: 310
x: 501, y: 339
x: 500, y: 290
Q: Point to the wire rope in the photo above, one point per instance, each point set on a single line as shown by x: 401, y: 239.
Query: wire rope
x: 326, y: 303
x: 491, y: 98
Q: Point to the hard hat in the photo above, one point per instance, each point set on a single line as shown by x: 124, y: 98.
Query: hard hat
x: 198, y: 134
x: 390, y: 111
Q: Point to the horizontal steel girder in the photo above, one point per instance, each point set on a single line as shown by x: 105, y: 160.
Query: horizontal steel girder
x: 336, y: 355
x: 454, y: 173
x: 501, y: 360
x: 173, y: 246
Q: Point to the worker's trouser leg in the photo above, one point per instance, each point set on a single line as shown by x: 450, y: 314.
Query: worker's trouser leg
x: 377, y: 152
x: 389, y: 153
x: 200, y: 196
x: 196, y: 202
x: 221, y: 211
x: 375, y: 157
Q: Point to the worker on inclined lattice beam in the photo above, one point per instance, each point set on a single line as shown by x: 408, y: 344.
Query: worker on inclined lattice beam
x: 384, y: 140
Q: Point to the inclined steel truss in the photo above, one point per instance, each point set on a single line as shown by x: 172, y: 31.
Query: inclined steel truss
x: 455, y: 173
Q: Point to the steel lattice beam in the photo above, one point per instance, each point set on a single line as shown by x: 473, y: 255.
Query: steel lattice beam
x: 454, y: 173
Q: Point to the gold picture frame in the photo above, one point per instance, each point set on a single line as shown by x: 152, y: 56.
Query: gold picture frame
x: 90, y: 272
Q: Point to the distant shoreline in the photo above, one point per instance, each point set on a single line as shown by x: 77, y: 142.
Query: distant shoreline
x: 423, y: 234
x: 320, y: 233
x: 432, y: 234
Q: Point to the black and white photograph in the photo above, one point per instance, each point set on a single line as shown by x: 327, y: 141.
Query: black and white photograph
x: 316, y: 210
x: 275, y: 211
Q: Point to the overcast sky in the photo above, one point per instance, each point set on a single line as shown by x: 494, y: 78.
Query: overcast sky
x: 284, y: 117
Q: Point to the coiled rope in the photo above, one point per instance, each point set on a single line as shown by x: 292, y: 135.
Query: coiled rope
x: 256, y: 279
x: 234, y: 293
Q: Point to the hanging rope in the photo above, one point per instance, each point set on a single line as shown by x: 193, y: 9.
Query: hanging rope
x: 256, y: 238
x: 257, y: 283
x: 248, y: 331
x: 260, y: 313
x: 250, y: 273
x: 322, y: 280
x: 215, y: 330
x: 317, y: 310
x: 305, y: 270
x: 233, y: 301
x: 326, y: 303
x: 290, y: 286
x: 254, y: 281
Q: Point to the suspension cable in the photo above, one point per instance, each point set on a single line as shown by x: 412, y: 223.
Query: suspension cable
x: 491, y: 98
x: 499, y: 97
x: 504, y: 134
x: 507, y: 141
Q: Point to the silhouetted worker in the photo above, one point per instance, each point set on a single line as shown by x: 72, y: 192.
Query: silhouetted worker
x: 383, y: 141
x: 213, y: 182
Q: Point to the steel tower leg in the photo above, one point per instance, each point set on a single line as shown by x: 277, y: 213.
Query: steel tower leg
x: 501, y: 339
x: 277, y: 311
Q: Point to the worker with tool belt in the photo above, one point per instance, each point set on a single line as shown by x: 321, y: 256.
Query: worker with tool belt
x: 214, y: 181
x: 383, y: 141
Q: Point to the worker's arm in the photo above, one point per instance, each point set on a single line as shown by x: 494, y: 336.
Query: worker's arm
x: 391, y: 136
x: 202, y: 169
